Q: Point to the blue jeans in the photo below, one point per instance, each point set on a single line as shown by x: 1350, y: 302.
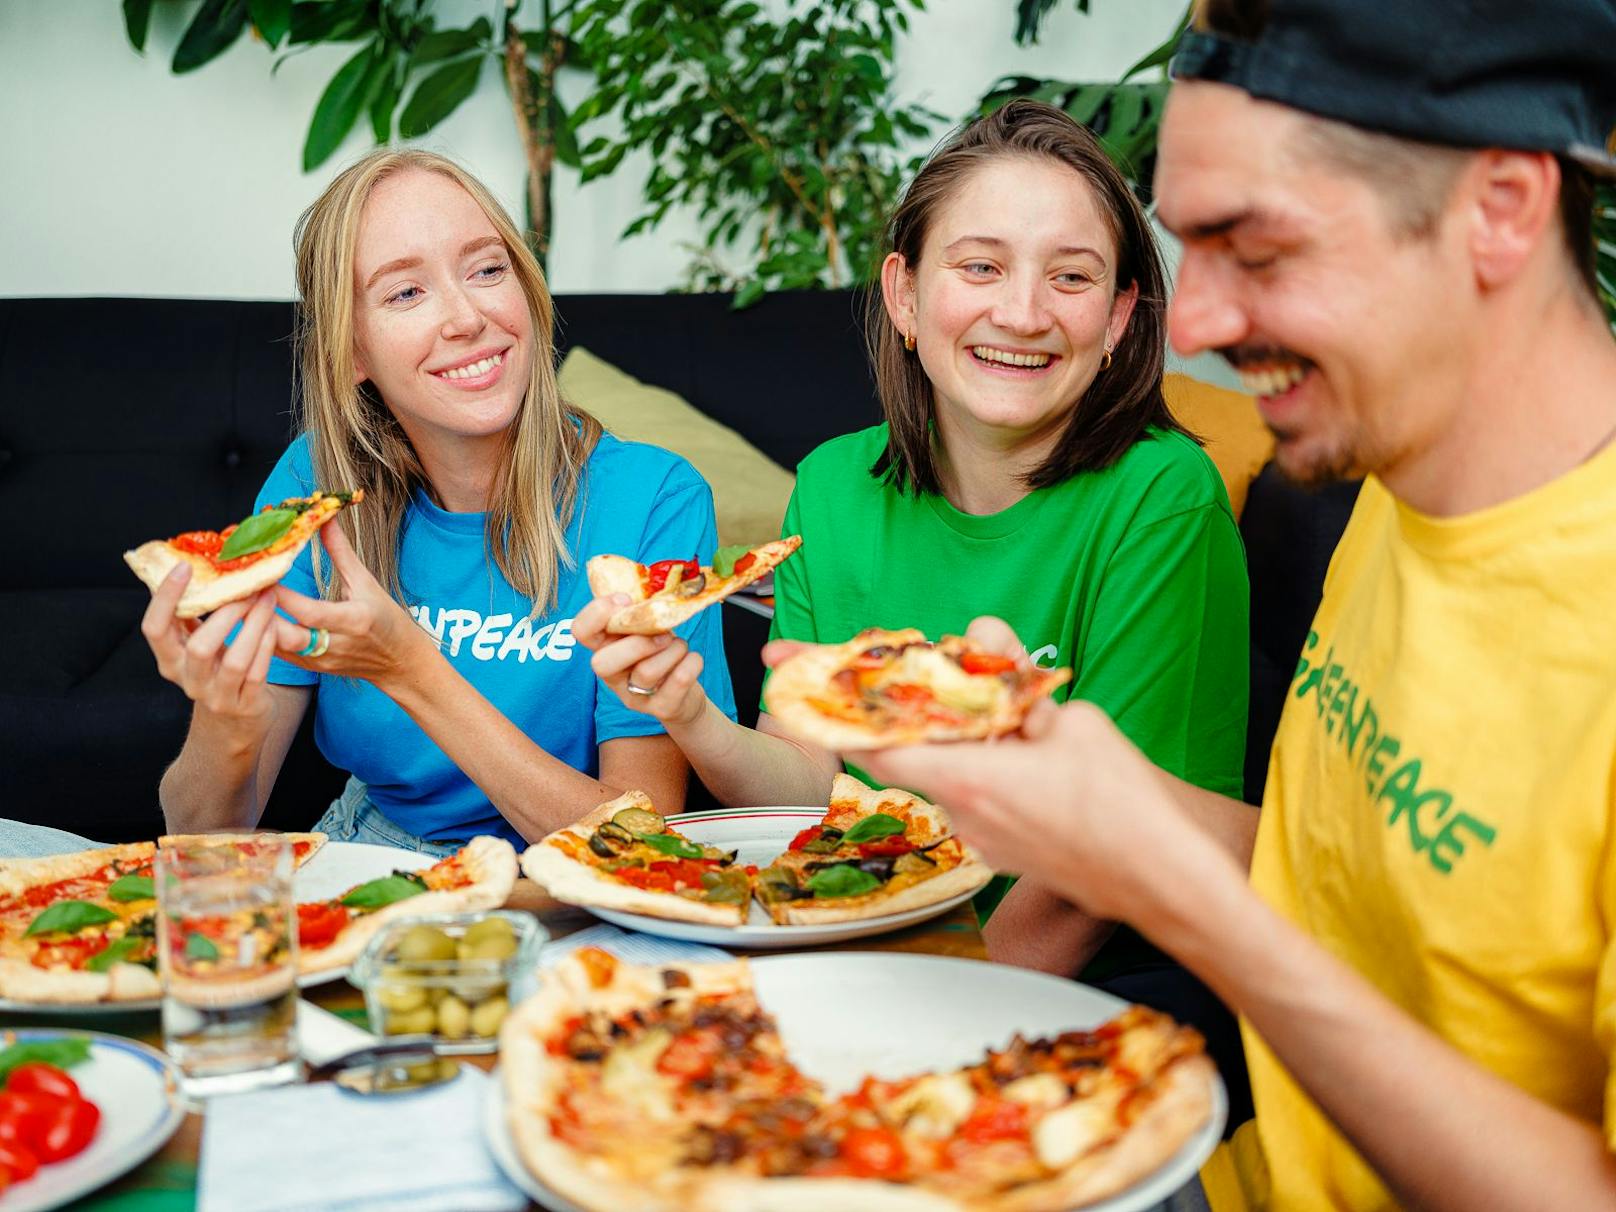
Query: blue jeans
x: 18, y: 839
x: 352, y: 817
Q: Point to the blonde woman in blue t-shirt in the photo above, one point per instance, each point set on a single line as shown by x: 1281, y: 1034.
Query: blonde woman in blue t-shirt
x: 435, y: 641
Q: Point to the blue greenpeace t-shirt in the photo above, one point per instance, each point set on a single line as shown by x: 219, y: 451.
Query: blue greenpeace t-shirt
x: 634, y: 500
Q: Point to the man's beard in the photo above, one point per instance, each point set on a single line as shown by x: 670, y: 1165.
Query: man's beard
x: 1311, y: 465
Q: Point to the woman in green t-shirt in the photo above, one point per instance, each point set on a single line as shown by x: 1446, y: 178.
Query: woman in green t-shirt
x: 1028, y: 468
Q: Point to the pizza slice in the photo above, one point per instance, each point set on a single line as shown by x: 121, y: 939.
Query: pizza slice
x: 874, y: 854
x: 885, y: 688
x: 665, y: 594
x: 81, y: 927
x: 304, y: 845
x: 623, y: 856
x: 236, y: 562
x: 332, y: 933
x: 644, y: 1089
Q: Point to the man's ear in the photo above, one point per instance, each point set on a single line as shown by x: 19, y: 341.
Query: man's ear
x: 1513, y: 200
x: 898, y: 293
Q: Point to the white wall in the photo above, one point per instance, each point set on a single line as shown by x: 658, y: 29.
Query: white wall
x: 118, y: 178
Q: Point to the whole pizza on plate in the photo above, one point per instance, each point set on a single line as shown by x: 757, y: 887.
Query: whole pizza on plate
x: 81, y: 928
x: 874, y: 853
x: 656, y: 1089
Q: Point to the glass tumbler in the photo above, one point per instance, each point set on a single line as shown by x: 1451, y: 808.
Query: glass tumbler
x: 227, y: 951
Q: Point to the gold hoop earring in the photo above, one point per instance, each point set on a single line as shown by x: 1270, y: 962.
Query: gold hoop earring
x: 909, y: 341
x: 1105, y: 360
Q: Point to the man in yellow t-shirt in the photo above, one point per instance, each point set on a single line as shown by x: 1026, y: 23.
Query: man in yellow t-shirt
x: 1386, y: 228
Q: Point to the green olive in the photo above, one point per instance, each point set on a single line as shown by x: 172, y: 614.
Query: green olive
x: 424, y: 943
x: 454, y: 1018
x: 401, y: 998
x: 413, y: 1022
x: 489, y: 927
x: 436, y: 994
x: 486, y: 1018
x: 488, y: 947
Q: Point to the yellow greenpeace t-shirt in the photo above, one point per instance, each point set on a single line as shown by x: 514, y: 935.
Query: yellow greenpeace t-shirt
x: 1438, y: 810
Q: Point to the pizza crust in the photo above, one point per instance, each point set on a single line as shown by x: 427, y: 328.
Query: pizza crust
x: 577, y: 883
x: 609, y: 574
x: 490, y: 861
x: 800, y: 679
x: 208, y: 589
x: 315, y: 840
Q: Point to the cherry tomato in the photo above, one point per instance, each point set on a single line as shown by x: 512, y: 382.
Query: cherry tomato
x: 691, y: 1055
x: 986, y: 662
x: 995, y: 1119
x: 17, y: 1160
x: 36, y: 1077
x: 886, y: 847
x: 199, y: 542
x: 656, y: 575
x: 24, y: 1116
x: 809, y: 834
x: 903, y: 692
x: 874, y: 1153
x: 5, y: 1177
x: 68, y: 1131
x: 745, y: 562
x: 318, y: 924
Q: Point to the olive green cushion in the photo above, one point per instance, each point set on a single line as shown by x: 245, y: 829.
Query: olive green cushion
x: 750, y: 489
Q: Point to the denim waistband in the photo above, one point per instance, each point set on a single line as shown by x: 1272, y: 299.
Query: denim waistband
x: 353, y: 817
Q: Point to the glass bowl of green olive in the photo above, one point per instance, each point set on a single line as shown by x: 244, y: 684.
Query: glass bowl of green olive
x: 451, y: 976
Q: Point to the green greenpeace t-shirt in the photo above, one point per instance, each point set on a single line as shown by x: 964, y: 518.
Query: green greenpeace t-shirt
x: 1134, y: 577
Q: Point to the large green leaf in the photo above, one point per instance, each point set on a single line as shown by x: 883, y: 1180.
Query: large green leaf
x: 566, y: 142
x: 272, y: 19
x: 349, y: 92
x: 330, y: 21
x: 447, y: 43
x: 1160, y: 56
x: 136, y: 21
x: 214, y: 29
x: 385, y: 101
x: 436, y: 97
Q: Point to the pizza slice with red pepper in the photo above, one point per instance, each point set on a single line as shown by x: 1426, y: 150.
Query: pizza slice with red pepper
x: 236, y: 562
x: 665, y: 594
x: 331, y: 934
x: 885, y: 688
x: 875, y: 853
x: 623, y: 855
x: 666, y: 1088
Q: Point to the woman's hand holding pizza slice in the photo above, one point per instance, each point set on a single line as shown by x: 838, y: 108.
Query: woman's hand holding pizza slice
x: 653, y: 674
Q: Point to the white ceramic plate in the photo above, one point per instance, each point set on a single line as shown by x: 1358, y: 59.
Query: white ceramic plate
x: 836, y: 1011
x: 134, y: 1087
x: 335, y: 868
x: 759, y: 835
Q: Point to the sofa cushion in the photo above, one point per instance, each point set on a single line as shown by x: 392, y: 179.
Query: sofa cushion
x: 1228, y: 422
x: 750, y: 490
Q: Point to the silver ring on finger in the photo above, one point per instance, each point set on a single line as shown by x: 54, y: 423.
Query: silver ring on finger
x: 642, y: 691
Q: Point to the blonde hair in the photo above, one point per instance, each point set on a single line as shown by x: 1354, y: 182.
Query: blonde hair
x: 356, y: 442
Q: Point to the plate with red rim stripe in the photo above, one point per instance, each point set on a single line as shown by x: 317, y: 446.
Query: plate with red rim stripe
x: 335, y: 868
x: 758, y: 836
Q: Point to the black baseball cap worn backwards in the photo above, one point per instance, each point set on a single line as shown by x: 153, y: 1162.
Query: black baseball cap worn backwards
x: 1532, y: 75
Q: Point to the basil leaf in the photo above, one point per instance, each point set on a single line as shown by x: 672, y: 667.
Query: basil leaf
x: 413, y: 876
x: 378, y: 894
x: 725, y: 557
x: 877, y: 824
x: 63, y: 1053
x: 200, y: 947
x: 844, y: 879
x: 69, y: 916
x: 257, y: 532
x: 114, y: 952
x: 133, y: 888
x: 668, y: 844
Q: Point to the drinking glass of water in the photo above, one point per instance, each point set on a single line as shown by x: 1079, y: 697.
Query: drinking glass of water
x: 227, y: 947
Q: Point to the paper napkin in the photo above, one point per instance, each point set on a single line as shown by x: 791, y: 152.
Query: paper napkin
x: 299, y: 1148
x: 630, y: 946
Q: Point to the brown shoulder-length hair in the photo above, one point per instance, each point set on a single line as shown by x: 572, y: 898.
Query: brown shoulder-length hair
x: 1124, y: 400
x: 356, y: 442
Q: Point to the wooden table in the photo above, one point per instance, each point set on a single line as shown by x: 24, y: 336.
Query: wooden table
x: 168, y: 1180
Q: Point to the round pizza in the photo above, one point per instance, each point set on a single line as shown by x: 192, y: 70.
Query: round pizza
x: 236, y: 562
x: 664, y: 594
x: 874, y: 853
x: 81, y: 927
x: 660, y: 1089
x: 884, y: 688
